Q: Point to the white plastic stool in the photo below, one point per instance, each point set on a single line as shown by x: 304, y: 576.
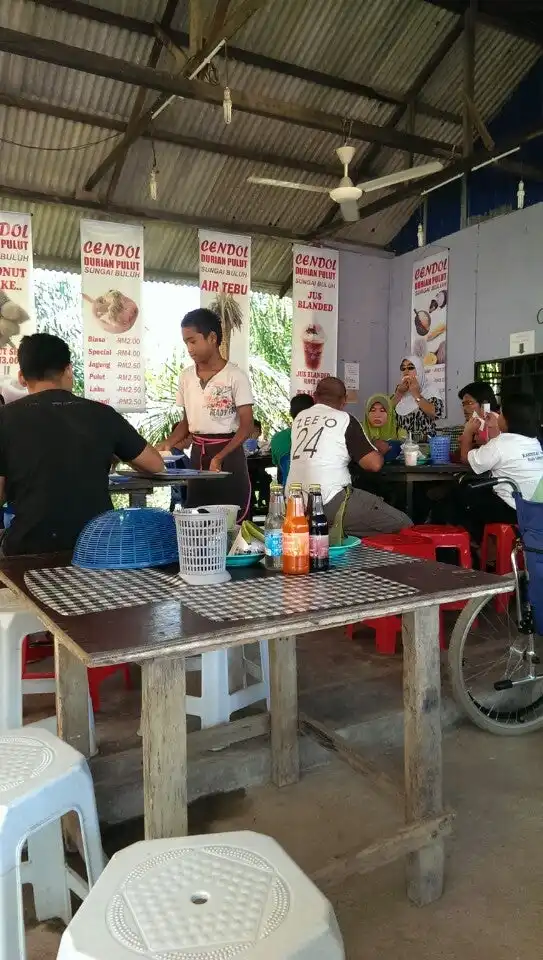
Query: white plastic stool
x: 16, y: 622
x: 215, y: 897
x: 216, y: 704
x: 41, y: 779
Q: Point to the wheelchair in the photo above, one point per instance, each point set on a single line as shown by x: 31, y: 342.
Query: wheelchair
x: 495, y: 658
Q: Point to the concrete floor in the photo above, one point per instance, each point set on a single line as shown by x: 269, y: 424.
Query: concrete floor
x: 490, y: 908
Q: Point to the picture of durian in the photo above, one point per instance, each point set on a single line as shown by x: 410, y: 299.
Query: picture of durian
x: 12, y: 316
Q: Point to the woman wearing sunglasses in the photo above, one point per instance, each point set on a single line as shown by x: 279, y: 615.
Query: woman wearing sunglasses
x: 416, y: 408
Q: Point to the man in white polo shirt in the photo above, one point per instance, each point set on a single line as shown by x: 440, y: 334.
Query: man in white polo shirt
x: 325, y: 439
x: 514, y: 454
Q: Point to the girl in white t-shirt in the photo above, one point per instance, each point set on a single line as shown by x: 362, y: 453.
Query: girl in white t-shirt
x: 217, y: 401
x: 515, y: 453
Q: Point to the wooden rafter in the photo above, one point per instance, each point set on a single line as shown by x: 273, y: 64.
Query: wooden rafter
x: 139, y: 102
x: 196, y: 27
x: 160, y: 135
x: 508, y: 16
x: 243, y: 12
x: 218, y: 18
x: 86, y: 11
x: 463, y: 165
x: 366, y: 167
x: 147, y: 214
x: 51, y: 51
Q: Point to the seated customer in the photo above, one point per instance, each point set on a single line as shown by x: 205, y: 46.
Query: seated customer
x: 380, y: 422
x: 474, y: 396
x: 280, y: 442
x: 325, y: 439
x: 56, y: 451
x: 417, y: 407
x: 514, y: 454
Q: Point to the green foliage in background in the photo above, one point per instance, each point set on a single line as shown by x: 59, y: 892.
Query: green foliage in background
x: 270, y: 345
x: 58, y: 308
x: 162, y: 411
x: 58, y: 311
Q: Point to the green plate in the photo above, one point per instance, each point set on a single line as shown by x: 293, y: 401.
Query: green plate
x: 347, y: 544
x: 244, y: 560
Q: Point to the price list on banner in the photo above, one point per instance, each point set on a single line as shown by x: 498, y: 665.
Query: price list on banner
x: 111, y: 288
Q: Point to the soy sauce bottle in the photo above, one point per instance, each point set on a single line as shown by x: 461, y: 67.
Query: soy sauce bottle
x: 319, y: 543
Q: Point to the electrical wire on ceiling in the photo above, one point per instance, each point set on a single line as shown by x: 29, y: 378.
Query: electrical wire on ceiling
x: 80, y: 146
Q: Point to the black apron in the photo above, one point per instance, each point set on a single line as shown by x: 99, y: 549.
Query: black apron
x: 235, y: 489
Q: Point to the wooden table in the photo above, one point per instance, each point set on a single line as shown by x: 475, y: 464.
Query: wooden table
x: 139, y: 487
x: 427, y: 473
x: 160, y: 635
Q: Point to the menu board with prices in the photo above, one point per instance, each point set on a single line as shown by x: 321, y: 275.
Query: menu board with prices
x: 111, y: 282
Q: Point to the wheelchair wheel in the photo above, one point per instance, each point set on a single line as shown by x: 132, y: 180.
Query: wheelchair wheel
x: 496, y: 670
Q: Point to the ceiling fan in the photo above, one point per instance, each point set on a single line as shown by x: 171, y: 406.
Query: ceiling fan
x: 347, y: 194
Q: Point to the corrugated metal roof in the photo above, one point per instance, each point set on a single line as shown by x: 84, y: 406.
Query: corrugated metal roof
x: 384, y: 43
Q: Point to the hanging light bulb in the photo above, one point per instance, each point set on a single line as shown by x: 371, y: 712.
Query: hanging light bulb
x: 521, y: 193
x: 227, y: 98
x: 420, y: 235
x: 153, y: 191
x: 153, y: 181
x: 227, y: 105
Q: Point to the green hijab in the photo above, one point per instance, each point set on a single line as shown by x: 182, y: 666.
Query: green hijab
x: 389, y: 430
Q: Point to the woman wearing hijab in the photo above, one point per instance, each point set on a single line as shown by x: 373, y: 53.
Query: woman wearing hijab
x: 380, y: 422
x: 417, y: 409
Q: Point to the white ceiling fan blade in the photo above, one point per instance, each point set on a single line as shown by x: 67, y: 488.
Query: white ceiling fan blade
x: 401, y: 176
x: 268, y: 182
x: 349, y: 211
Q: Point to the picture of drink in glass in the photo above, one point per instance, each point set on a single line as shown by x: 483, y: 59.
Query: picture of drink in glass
x: 313, y: 339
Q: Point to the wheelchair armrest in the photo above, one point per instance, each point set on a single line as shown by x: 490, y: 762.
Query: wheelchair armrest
x: 478, y: 483
x: 486, y: 482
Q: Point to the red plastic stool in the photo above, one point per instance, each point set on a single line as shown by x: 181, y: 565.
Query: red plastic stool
x: 505, y: 535
x: 97, y: 674
x: 412, y: 545
x: 36, y: 647
x: 33, y: 651
x: 447, y: 536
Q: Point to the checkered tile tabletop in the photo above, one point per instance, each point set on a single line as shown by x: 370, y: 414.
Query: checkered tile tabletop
x: 72, y: 592
x: 283, y: 596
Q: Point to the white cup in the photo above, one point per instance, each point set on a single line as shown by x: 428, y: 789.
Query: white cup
x: 411, y: 457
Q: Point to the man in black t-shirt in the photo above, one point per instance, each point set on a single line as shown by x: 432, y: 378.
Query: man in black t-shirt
x: 56, y: 451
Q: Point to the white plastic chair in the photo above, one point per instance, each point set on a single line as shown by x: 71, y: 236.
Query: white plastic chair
x: 212, y: 897
x: 221, y: 669
x: 41, y: 779
x: 16, y: 622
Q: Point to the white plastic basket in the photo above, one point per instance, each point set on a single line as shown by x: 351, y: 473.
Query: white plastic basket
x: 202, y: 541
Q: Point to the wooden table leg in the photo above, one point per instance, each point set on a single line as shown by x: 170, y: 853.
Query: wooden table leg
x: 72, y: 723
x: 136, y: 498
x: 72, y: 698
x: 285, y: 758
x: 409, y: 496
x: 164, y: 732
x: 422, y: 747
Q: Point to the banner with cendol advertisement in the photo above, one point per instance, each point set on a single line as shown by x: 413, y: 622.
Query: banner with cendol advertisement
x: 17, y: 314
x: 111, y: 296
x: 314, y: 316
x: 429, y: 301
